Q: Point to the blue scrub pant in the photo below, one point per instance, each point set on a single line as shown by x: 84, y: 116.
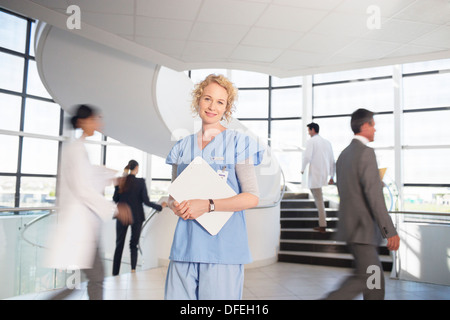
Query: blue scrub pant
x: 204, y: 281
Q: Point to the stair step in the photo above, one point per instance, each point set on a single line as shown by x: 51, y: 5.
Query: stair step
x: 300, y: 203
x: 306, y: 233
x: 325, y: 258
x: 306, y: 222
x: 295, y: 195
x: 330, y: 246
x: 300, y: 243
x: 306, y: 212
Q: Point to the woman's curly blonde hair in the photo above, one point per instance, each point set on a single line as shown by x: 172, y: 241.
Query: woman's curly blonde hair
x: 223, y: 82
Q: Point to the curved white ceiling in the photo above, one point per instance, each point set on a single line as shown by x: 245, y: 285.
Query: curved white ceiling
x: 76, y: 70
x: 277, y: 37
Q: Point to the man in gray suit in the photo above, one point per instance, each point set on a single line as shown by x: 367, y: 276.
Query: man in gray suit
x: 363, y: 217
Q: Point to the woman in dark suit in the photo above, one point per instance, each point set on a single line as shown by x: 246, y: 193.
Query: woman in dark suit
x: 132, y: 191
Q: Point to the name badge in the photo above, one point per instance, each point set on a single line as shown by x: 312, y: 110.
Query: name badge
x: 223, y: 173
x: 217, y: 158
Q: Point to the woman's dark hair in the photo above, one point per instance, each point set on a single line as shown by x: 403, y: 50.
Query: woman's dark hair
x: 125, y: 183
x: 132, y: 164
x: 82, y: 111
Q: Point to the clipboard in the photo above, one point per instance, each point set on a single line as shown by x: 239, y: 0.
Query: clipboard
x: 382, y: 172
x: 199, y: 181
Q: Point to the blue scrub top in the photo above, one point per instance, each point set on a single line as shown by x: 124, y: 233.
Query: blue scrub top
x: 191, y: 242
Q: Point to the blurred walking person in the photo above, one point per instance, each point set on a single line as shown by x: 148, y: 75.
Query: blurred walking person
x: 363, y: 217
x: 133, y: 192
x: 82, y: 208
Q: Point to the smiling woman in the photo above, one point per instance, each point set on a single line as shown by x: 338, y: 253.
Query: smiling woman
x: 222, y: 89
x: 215, y: 259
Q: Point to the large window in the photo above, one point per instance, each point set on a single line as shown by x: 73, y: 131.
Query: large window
x: 272, y: 108
x: 32, y: 126
x: 30, y: 121
x: 425, y: 146
x: 426, y: 135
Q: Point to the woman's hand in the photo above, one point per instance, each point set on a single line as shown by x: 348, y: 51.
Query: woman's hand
x: 180, y: 209
x: 189, y: 209
x: 197, y: 207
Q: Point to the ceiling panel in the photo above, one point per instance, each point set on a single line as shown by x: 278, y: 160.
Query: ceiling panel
x: 281, y: 37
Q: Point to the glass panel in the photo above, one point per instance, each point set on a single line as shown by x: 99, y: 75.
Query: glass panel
x: 159, y: 189
x: 427, y: 91
x: 252, y: 104
x: 13, y: 33
x: 426, y: 166
x: 426, y: 128
x: 39, y: 156
x: 11, y: 72
x: 377, y: 95
x: 426, y: 66
x: 42, y: 117
x: 280, y: 82
x: 335, y: 130
x: 384, y: 135
x: 37, y: 192
x: 258, y: 128
x: 291, y: 164
x: 428, y: 199
x: 286, y: 134
x: 7, y: 191
x: 117, y: 158
x: 9, y: 151
x: 34, y: 85
x: 33, y: 32
x: 10, y: 107
x: 160, y: 169
x: 286, y: 103
x: 249, y: 79
x: 353, y: 74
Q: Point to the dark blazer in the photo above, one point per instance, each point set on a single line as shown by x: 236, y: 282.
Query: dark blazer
x: 363, y: 216
x: 135, y: 197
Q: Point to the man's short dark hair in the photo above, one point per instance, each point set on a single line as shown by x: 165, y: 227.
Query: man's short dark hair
x: 314, y: 126
x: 359, y: 117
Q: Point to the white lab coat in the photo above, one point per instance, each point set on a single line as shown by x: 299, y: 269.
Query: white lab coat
x: 82, y: 208
x: 319, y: 155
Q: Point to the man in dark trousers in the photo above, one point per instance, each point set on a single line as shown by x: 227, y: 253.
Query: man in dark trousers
x: 363, y: 217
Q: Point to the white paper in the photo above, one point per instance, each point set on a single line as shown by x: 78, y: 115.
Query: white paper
x: 200, y: 181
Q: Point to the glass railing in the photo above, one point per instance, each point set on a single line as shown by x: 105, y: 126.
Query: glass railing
x: 22, y: 255
x: 23, y: 243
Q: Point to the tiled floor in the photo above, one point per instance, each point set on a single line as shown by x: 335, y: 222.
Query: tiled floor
x: 279, y: 281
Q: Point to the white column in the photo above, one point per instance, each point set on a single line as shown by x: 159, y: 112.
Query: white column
x: 306, y: 115
x: 398, y: 131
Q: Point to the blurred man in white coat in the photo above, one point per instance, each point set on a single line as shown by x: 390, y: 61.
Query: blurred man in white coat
x: 319, y: 156
x: 74, y: 244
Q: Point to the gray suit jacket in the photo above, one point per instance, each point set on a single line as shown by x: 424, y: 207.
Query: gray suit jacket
x: 363, y: 217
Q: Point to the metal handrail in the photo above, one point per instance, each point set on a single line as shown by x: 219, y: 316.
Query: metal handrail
x: 151, y: 215
x: 27, y: 225
x: 27, y: 209
x: 424, y: 213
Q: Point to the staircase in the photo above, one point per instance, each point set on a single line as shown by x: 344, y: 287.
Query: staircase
x: 299, y: 243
